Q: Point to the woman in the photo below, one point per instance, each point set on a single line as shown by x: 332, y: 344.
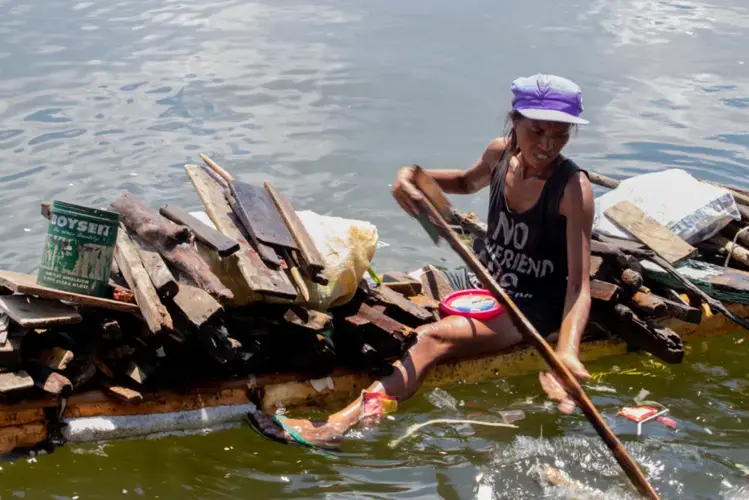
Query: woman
x: 537, y: 247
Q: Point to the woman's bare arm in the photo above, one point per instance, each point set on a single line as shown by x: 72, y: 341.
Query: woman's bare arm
x: 577, y: 206
x: 454, y: 181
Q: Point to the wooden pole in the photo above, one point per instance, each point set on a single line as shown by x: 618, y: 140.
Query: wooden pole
x: 531, y: 335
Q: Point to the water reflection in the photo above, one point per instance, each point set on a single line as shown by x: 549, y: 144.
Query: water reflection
x: 326, y: 100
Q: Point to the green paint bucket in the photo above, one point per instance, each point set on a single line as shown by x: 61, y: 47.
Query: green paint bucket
x: 79, y: 249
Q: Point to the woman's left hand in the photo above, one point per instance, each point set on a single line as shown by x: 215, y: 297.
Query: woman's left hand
x: 554, y: 387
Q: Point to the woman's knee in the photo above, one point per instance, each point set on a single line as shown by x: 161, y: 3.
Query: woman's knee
x: 438, y: 338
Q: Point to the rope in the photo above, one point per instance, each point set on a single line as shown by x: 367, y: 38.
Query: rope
x: 733, y: 245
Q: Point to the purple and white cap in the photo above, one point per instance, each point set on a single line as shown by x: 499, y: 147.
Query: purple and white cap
x: 549, y: 98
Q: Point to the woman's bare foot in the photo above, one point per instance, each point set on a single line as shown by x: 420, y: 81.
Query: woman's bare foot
x: 319, y: 434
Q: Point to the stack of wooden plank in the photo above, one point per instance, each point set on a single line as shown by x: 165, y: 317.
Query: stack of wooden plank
x: 174, y: 318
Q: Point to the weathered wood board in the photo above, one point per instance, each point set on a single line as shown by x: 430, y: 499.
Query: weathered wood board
x: 391, y: 298
x: 126, y: 254
x: 211, y: 238
x: 258, y: 213
x: 434, y: 284
x: 311, y: 255
x: 603, y: 291
x: 251, y: 269
x: 26, y: 284
x: 124, y: 393
x: 14, y: 381
x: 198, y: 307
x: 402, y: 283
x: 161, y: 277
x: 32, y: 312
x: 266, y: 252
x: 655, y: 235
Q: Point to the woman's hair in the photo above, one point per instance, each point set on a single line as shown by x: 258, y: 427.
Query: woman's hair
x: 512, y: 139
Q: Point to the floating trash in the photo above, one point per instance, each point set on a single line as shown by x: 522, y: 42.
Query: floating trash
x: 643, y: 414
x: 510, y: 416
x: 442, y: 400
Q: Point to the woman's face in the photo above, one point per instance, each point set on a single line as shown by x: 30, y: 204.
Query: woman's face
x: 540, y: 142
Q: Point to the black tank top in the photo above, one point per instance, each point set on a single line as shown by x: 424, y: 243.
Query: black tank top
x: 527, y: 252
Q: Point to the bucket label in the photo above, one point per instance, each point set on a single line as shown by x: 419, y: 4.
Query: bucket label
x: 78, y: 250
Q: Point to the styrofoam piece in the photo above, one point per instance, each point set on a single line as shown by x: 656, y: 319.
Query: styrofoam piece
x: 693, y: 210
x: 81, y: 430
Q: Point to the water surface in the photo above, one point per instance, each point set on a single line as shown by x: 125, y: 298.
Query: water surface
x: 326, y: 100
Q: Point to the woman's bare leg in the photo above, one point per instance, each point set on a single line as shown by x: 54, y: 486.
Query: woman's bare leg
x: 454, y: 337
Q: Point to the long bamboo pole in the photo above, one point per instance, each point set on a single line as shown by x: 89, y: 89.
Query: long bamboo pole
x: 531, y: 335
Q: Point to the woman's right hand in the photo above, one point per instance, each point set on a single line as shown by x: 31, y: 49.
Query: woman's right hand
x: 405, y: 192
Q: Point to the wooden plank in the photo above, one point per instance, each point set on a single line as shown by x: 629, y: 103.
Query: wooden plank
x: 307, y: 318
x: 50, y: 381
x: 162, y: 278
x: 402, y: 283
x: 266, y: 252
x: 153, y: 311
x: 26, y: 284
x: 15, y: 381
x: 603, y: 291
x: 124, y: 394
x: 416, y: 313
x: 259, y: 215
x: 196, y: 305
x: 32, y: 312
x: 679, y: 310
x: 307, y: 249
x: 425, y: 302
x: 258, y: 277
x: 204, y: 233
x: 382, y: 321
x: 434, y: 285
x: 646, y: 229
x: 649, y: 304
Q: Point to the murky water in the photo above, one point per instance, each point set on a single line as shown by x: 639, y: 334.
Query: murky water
x: 326, y: 100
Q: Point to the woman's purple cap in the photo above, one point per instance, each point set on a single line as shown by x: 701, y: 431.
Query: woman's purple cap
x: 549, y: 98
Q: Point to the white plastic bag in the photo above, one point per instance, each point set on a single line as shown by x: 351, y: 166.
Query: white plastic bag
x: 348, y: 247
x: 693, y: 210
